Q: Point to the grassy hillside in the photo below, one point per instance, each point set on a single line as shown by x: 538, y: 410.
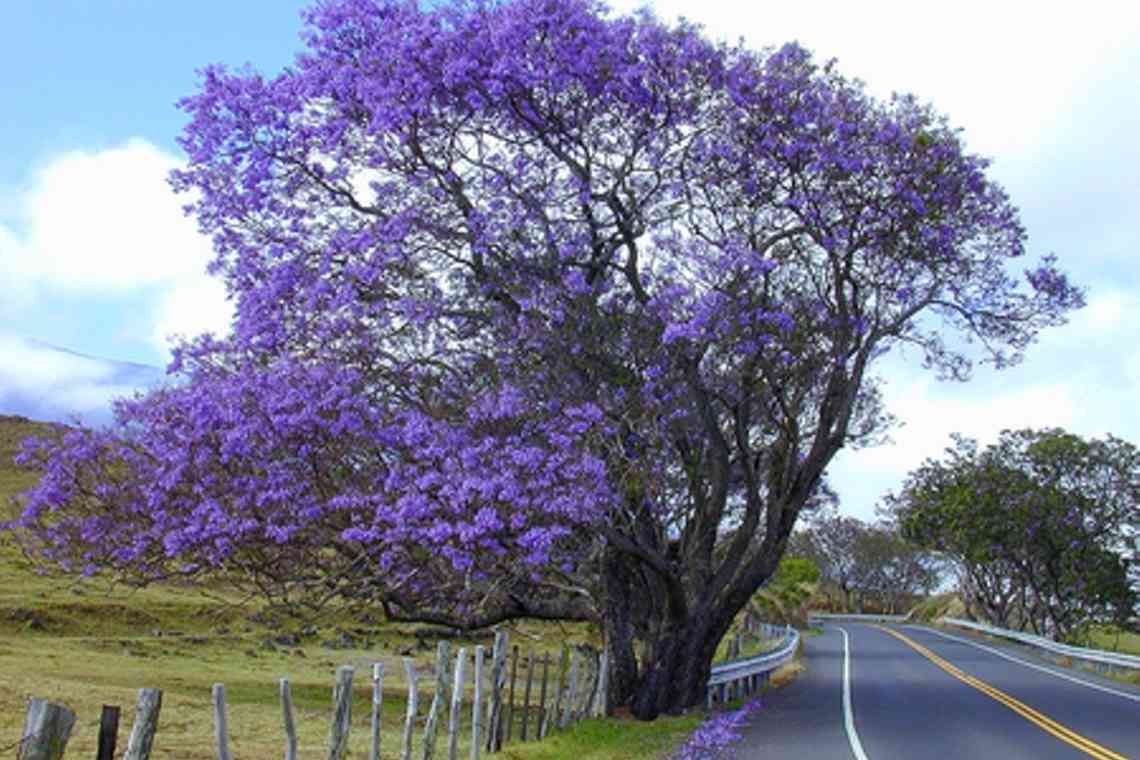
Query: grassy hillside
x: 15, y: 479
x: 86, y: 643
x: 938, y: 606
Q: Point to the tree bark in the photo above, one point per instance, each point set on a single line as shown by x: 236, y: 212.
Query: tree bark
x: 676, y: 650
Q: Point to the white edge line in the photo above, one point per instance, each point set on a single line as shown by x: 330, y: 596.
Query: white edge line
x: 1019, y: 661
x: 848, y: 715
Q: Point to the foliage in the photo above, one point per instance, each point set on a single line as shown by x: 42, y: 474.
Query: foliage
x: 787, y: 594
x: 795, y: 571
x: 1042, y: 523
x: 540, y: 312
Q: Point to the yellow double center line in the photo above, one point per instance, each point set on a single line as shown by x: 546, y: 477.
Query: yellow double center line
x: 1067, y: 735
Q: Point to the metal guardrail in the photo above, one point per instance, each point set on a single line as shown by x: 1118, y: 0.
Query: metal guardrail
x: 1101, y: 657
x: 733, y: 679
x: 856, y: 617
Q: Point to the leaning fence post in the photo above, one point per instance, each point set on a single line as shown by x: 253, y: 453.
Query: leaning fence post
x: 584, y: 706
x: 47, y: 729
x: 146, y: 724
x: 287, y: 718
x: 439, y: 700
x: 221, y: 727
x: 511, y: 692
x: 543, y: 723
x: 560, y: 684
x: 498, y: 681
x: 456, y: 705
x: 377, y: 701
x: 526, y: 692
x: 601, y: 695
x: 477, y: 706
x: 413, y: 705
x: 108, y: 733
x: 571, y: 692
x: 342, y: 713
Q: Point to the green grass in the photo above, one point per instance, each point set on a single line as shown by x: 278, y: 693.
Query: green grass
x: 1114, y: 639
x: 610, y: 739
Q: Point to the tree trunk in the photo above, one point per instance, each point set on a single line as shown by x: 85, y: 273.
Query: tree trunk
x: 677, y: 653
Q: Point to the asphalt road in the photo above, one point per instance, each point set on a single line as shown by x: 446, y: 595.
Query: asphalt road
x: 917, y: 693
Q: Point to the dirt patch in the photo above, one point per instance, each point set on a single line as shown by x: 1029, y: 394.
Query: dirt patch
x: 120, y: 613
x: 785, y: 674
x: 31, y: 620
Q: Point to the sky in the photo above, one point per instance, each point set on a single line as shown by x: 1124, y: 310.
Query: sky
x: 96, y: 256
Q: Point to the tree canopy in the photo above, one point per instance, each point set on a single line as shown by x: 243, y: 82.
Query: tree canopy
x: 541, y: 311
x: 1043, y: 524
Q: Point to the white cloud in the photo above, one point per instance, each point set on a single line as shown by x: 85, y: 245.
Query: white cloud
x: 108, y: 220
x: 191, y: 307
x: 106, y: 223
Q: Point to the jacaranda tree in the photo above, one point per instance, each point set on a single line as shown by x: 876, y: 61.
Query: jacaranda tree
x: 541, y: 311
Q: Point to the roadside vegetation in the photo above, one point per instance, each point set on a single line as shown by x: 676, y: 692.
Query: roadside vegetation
x: 1041, y: 526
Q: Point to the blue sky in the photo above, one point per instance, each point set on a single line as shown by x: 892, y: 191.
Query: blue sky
x: 96, y: 257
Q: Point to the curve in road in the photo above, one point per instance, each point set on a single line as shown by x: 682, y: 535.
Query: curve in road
x: 899, y: 701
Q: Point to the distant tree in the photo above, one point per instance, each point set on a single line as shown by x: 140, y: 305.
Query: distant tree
x: 1040, y: 522
x: 540, y: 311
x: 830, y: 540
x: 891, y: 570
x: 866, y: 562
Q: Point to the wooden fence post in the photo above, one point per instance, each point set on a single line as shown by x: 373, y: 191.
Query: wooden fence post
x: 108, y: 733
x: 601, y: 696
x: 571, y: 692
x: 560, y: 684
x: 47, y: 729
x: 498, y: 681
x: 146, y: 724
x: 456, y: 705
x: 439, y: 699
x: 511, y: 692
x: 287, y: 718
x: 543, y: 723
x: 413, y: 706
x: 584, y: 705
x: 342, y: 713
x: 377, y: 701
x: 221, y: 726
x: 526, y: 692
x: 477, y: 706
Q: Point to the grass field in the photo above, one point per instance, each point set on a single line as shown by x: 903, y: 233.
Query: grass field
x: 1115, y: 639
x: 84, y: 643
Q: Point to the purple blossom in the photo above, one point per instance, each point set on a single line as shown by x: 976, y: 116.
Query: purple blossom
x: 716, y: 734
